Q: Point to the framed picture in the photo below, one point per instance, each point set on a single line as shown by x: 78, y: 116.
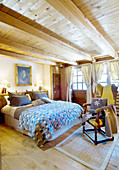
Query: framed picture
x: 23, y: 75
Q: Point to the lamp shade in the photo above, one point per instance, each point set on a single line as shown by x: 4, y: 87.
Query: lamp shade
x: 4, y: 82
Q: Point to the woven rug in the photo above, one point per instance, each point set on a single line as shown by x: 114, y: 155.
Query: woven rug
x: 78, y: 147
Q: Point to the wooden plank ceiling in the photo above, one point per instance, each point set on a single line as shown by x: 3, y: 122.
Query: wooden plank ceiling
x: 59, y: 31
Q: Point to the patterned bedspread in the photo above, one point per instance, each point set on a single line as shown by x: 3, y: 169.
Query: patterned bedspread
x: 43, y: 120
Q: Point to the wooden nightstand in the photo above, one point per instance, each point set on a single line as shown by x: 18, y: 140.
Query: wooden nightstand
x: 1, y: 118
x: 2, y: 103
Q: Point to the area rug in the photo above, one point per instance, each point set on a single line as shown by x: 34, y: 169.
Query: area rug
x: 81, y: 149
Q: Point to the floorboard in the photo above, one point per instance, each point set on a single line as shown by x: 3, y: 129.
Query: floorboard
x: 21, y: 152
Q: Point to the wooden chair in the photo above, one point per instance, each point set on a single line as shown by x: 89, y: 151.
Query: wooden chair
x: 97, y: 120
x: 97, y: 123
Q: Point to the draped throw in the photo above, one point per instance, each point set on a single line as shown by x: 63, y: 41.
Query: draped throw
x: 69, y: 77
x: 97, y: 69
x: 86, y: 74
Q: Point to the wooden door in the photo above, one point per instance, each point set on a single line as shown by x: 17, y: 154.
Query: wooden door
x: 56, y: 87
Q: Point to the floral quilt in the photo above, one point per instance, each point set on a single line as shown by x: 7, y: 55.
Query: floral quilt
x: 43, y: 120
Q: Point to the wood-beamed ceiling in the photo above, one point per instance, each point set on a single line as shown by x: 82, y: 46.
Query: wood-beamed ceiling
x: 64, y: 31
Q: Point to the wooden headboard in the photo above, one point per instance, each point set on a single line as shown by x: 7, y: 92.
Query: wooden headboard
x: 2, y: 100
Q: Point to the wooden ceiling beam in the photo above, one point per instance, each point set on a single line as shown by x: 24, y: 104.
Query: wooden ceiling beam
x: 70, y: 11
x: 25, y: 57
x: 30, y: 51
x: 16, y: 23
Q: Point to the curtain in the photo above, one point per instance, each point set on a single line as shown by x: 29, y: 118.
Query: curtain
x: 97, y: 69
x: 69, y: 77
x: 86, y: 74
x: 113, y: 67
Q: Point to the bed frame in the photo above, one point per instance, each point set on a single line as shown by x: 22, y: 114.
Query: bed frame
x: 12, y: 122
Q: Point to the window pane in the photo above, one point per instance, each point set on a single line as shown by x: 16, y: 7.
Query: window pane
x: 103, y: 78
x: 114, y: 81
x: 103, y: 84
x: 79, y: 78
x: 118, y: 89
x: 79, y: 72
x: 79, y: 86
x: 105, y: 68
x: 75, y: 72
x: 84, y: 86
x: 75, y: 79
x: 75, y: 86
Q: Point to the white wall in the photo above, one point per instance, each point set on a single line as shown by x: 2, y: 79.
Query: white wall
x: 39, y: 72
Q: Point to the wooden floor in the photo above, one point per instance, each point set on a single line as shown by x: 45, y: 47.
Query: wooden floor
x: 19, y: 152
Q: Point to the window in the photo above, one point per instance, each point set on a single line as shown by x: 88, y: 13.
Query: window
x: 105, y: 79
x: 78, y: 83
x: 116, y: 82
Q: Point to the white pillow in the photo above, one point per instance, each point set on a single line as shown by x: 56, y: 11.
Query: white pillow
x: 28, y: 97
x: 46, y: 100
x: 6, y: 98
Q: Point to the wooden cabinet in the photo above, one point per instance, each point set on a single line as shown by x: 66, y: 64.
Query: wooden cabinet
x: 79, y: 96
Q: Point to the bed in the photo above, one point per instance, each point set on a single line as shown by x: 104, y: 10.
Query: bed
x: 42, y: 119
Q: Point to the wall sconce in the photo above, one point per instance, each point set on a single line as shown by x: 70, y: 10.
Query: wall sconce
x: 40, y: 84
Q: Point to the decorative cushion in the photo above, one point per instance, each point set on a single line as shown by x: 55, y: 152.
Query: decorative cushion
x: 11, y: 94
x: 28, y: 96
x: 38, y: 102
x: 36, y: 95
x: 97, y: 103
x: 19, y: 100
x: 46, y: 100
x: 40, y: 95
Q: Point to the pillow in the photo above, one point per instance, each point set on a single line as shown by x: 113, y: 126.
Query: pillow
x: 6, y: 98
x: 28, y: 96
x: 19, y: 101
x: 36, y: 94
x: 46, y: 100
x: 97, y: 103
x: 40, y: 95
x: 38, y: 102
x: 11, y: 94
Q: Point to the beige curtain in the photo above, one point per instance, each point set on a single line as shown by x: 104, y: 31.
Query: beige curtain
x: 113, y: 67
x: 97, y: 71
x: 86, y: 73
x: 69, y: 76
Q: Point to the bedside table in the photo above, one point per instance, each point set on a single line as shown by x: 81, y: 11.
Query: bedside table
x: 1, y: 118
x: 2, y: 103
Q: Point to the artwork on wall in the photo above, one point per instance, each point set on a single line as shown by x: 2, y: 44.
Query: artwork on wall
x: 23, y: 75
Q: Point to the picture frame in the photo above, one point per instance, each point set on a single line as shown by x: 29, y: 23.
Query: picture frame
x: 23, y: 75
